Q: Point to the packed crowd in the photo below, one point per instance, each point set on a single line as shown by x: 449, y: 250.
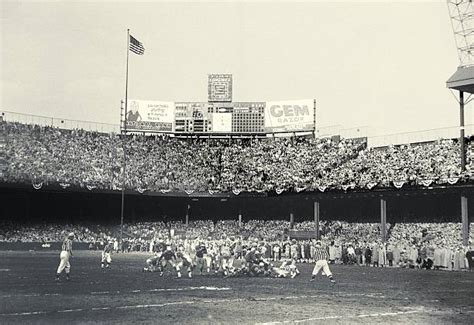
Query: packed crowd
x: 45, y: 155
x: 438, y: 161
x: 44, y: 233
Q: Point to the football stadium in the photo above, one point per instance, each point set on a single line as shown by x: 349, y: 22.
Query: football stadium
x: 222, y: 210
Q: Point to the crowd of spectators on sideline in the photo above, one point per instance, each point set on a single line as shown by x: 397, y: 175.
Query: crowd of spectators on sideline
x: 43, y: 233
x: 45, y: 155
x: 410, y: 245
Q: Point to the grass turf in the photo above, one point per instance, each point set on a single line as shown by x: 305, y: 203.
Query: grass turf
x: 124, y: 294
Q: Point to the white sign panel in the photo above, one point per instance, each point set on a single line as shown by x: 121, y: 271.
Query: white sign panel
x: 150, y: 115
x: 289, y: 115
x: 222, y: 122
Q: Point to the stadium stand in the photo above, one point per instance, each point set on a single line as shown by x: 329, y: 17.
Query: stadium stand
x: 45, y: 155
x: 40, y: 155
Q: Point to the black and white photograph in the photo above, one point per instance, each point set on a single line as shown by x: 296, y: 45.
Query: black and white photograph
x: 236, y: 162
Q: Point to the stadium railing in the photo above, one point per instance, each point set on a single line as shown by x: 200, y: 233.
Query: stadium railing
x: 61, y: 123
x: 418, y: 136
x: 325, y: 131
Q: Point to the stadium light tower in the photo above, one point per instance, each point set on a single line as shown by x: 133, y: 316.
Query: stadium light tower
x: 461, y: 13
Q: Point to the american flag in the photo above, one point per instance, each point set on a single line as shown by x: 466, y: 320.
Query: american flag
x: 136, y: 46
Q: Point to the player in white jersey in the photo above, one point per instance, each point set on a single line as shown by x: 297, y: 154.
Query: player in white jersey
x: 225, y: 258
x: 289, y: 266
x: 153, y: 263
x: 66, y: 253
x: 211, y: 257
x: 183, y: 261
x: 106, y: 255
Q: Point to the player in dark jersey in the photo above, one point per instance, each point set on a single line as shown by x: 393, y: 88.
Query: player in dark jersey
x: 253, y: 261
x: 153, y: 263
x: 264, y: 266
x: 160, y: 247
x: 167, y: 258
x: 201, y: 250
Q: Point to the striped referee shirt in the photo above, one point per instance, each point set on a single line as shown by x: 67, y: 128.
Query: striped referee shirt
x: 320, y: 253
x: 67, y: 245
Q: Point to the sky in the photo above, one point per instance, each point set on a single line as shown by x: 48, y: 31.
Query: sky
x: 381, y: 65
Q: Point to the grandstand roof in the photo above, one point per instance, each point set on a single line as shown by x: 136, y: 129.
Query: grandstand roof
x: 462, y: 80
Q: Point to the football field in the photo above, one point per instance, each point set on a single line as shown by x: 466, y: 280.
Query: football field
x: 124, y: 294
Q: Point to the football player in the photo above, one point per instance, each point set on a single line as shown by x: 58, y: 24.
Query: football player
x: 168, y: 258
x: 225, y: 258
x: 201, y: 251
x: 183, y: 261
x: 106, y: 255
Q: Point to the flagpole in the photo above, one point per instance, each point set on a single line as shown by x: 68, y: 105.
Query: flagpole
x: 124, y: 134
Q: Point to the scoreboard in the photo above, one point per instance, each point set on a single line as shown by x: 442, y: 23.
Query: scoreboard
x: 219, y: 115
x: 248, y: 118
x: 195, y: 117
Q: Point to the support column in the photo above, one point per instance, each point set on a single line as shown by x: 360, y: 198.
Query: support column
x: 292, y: 220
x: 461, y: 128
x: 316, y: 219
x: 465, y: 220
x: 383, y: 219
x: 187, y: 215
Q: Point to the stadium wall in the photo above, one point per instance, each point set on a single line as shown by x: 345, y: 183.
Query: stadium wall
x: 37, y: 246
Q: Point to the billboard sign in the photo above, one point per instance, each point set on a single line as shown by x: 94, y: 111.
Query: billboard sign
x: 289, y: 116
x: 220, y: 88
x: 150, y: 115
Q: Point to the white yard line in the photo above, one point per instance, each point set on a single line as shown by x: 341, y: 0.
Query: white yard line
x: 69, y: 310
x: 174, y: 303
x: 374, y: 315
x: 130, y: 291
x: 215, y: 301
x: 192, y: 302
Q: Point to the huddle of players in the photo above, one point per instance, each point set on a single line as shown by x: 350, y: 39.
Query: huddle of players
x: 216, y: 258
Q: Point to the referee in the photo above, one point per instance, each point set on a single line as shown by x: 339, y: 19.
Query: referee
x: 66, y: 253
x: 321, y: 256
